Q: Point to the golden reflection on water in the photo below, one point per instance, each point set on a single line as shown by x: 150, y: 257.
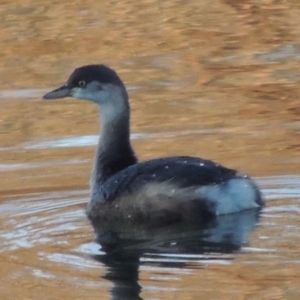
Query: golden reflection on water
x: 228, y: 67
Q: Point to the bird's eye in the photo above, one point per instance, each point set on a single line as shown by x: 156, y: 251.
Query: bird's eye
x: 81, y: 83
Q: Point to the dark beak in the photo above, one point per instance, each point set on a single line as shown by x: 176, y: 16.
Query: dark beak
x: 61, y: 92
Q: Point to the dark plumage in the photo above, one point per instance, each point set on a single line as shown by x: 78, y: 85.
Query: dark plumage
x: 158, y: 191
x: 182, y: 171
x: 91, y: 73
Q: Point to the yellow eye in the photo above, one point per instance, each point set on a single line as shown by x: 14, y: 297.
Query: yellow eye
x: 81, y: 83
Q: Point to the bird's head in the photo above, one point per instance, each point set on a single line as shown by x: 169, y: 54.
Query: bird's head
x: 96, y: 83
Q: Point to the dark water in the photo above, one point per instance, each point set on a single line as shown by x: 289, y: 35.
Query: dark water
x: 216, y: 79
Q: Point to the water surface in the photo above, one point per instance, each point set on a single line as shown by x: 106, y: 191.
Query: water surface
x: 216, y: 79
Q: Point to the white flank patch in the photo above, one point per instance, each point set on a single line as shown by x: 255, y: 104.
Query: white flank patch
x: 229, y: 197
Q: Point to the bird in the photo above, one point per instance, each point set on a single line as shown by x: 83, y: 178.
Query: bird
x: 157, y: 192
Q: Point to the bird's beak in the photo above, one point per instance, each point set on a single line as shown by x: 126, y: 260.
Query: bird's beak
x: 61, y: 92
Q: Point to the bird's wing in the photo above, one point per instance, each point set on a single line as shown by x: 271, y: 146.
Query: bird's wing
x: 183, y: 171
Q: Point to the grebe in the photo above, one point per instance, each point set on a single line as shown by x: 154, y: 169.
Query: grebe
x: 158, y: 191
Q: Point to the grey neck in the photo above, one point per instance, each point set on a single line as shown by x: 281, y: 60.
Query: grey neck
x: 114, y: 152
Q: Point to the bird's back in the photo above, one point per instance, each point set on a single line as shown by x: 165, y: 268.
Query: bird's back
x: 182, y: 171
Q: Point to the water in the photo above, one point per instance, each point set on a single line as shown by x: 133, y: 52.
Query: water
x: 217, y: 79
x: 46, y: 240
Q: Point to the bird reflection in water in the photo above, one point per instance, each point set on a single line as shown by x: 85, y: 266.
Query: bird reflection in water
x: 125, y: 248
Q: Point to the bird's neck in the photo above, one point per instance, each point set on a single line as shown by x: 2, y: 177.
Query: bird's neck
x: 114, y: 152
